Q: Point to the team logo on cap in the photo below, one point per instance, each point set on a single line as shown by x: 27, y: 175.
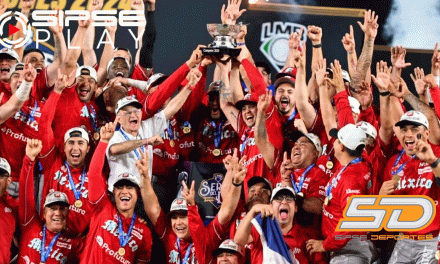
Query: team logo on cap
x: 275, y: 41
x: 5, y: 20
x: 410, y: 113
x: 125, y: 175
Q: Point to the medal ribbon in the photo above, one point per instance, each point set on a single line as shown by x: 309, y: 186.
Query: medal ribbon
x: 394, y: 172
x: 123, y: 237
x: 76, y: 192
x: 298, y: 187
x: 188, y: 251
x: 243, y: 145
x: 334, y: 182
x: 34, y: 111
x: 135, y: 150
x: 44, y: 254
x: 92, y: 116
x: 292, y: 116
x: 217, y: 134
x: 170, y: 130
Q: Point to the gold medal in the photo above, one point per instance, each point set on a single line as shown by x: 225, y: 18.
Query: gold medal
x: 96, y: 136
x: 216, y: 152
x: 78, y: 204
x: 121, y: 251
x: 300, y: 194
x: 329, y: 165
x: 186, y: 130
x: 326, y: 200
x: 437, y: 255
x: 172, y: 144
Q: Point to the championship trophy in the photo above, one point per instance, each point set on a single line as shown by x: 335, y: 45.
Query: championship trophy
x: 224, y: 40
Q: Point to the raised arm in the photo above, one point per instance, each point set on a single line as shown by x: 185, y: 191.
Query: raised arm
x: 226, y: 96
x: 145, y: 57
x: 294, y: 42
x: 26, y: 198
x: 327, y: 112
x: 149, y: 198
x: 369, y: 27
x: 422, y: 88
x: 350, y: 47
x: 266, y: 148
x: 59, y: 53
x: 87, y: 50
x: 107, y: 54
x: 398, y: 54
x: 177, y: 102
x: 26, y: 6
x: 314, y: 33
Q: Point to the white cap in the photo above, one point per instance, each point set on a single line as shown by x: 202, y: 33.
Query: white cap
x: 153, y: 78
x: 17, y: 67
x: 294, y: 136
x: 4, y: 165
x: 280, y: 188
x: 11, y: 53
x: 76, y: 132
x: 351, y: 136
x: 368, y: 128
x: 128, y: 100
x: 126, y: 177
x: 56, y: 197
x: 179, y: 204
x: 413, y: 118
x: 355, y: 105
x: 115, y: 58
x: 346, y: 76
x: 230, y: 246
x: 87, y: 70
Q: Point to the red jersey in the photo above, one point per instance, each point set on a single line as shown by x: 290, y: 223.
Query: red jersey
x: 327, y: 162
x: 295, y: 239
x: 211, y: 132
x: 65, y: 248
x: 416, y: 178
x: 314, y: 182
x: 41, y: 88
x: 18, y: 129
x: 70, y: 112
x: 204, y: 239
x: 102, y: 242
x: 354, y: 180
x: 9, y: 209
x: 139, y: 73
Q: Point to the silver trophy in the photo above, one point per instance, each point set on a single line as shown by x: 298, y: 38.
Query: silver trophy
x: 224, y: 40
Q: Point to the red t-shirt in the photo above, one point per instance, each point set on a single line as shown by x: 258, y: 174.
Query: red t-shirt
x: 295, y: 239
x: 139, y: 73
x: 9, y: 209
x: 416, y: 178
x: 314, y: 182
x: 205, y: 239
x: 354, y: 181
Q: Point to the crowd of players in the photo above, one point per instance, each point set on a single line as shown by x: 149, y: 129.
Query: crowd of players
x: 90, y: 154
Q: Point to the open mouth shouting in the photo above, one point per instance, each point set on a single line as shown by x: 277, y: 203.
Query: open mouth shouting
x: 284, y: 214
x: 125, y: 199
x: 410, y: 144
x: 5, y: 69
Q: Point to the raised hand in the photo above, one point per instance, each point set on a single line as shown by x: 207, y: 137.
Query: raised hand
x: 388, y: 187
x: 299, y: 57
x: 321, y: 72
x: 196, y: 57
x: 399, y: 89
x: 33, y: 148
x: 229, y: 160
x: 143, y: 167
x: 96, y: 5
x: 419, y: 82
x: 239, y: 170
x: 193, y: 77
x: 242, y: 34
x: 155, y: 140
x: 108, y: 130
x: 424, y: 151
x: 370, y: 26
x: 111, y: 28
x: 314, y: 33
x: 265, y: 210
x: 383, y: 79
x: 435, y: 61
x: 348, y: 40
x: 398, y: 54
x: 26, y: 5
x: 61, y: 82
x: 234, y: 11
x: 137, y: 5
x: 337, y: 80
x: 264, y: 101
x: 29, y: 72
x: 295, y: 39
x: 57, y: 28
x: 189, y: 194
x: 85, y: 23
x: 286, y: 170
x: 430, y: 80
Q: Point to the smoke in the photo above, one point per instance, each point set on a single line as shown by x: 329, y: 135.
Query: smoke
x: 413, y: 24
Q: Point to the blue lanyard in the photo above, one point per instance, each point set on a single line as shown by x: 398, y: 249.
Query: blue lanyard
x: 292, y: 116
x: 32, y: 114
x: 135, y: 150
x: 188, y: 251
x: 170, y: 130
x: 334, y: 182
x: 92, y: 116
x: 298, y: 187
x: 217, y: 134
x: 76, y: 192
x: 243, y: 145
x: 44, y: 254
x: 123, y: 237
x: 394, y: 172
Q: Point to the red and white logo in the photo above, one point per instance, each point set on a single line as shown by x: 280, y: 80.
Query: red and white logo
x: 5, y: 21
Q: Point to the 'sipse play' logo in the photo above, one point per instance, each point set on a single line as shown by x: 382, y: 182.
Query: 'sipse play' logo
x: 389, y: 212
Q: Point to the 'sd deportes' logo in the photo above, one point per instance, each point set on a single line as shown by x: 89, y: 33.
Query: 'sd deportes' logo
x: 275, y: 41
x: 390, y: 212
x: 5, y: 22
